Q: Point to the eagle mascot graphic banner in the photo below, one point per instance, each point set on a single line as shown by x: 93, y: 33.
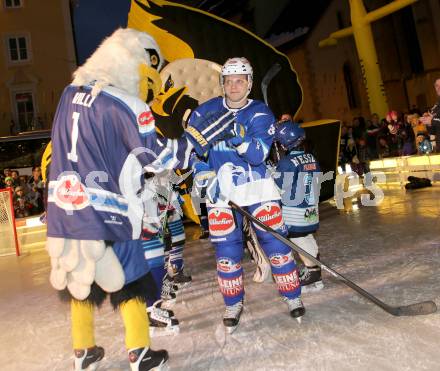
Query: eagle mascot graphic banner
x: 195, y: 44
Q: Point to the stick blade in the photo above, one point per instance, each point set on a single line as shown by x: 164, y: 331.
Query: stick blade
x: 416, y: 309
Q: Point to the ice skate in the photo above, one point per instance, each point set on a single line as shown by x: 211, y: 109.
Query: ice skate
x: 232, y: 316
x: 310, y: 278
x: 296, y: 308
x: 162, y: 322
x: 144, y: 359
x: 160, y: 308
x: 169, y: 290
x: 88, y: 359
x: 181, y: 279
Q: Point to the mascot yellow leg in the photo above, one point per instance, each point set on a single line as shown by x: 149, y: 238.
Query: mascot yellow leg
x: 87, y: 354
x: 135, y: 319
x: 83, y: 334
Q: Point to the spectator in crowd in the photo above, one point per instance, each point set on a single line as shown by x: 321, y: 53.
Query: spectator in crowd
x: 393, y: 125
x: 22, y: 206
x: 432, y: 117
x: 7, y: 172
x: 359, y: 127
x: 35, y: 188
x: 372, y: 132
x: 364, y: 161
x: 383, y: 149
x: 408, y: 137
x: 15, y: 175
x: 9, y: 182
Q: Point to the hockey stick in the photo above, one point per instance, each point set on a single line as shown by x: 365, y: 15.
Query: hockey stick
x: 425, y: 307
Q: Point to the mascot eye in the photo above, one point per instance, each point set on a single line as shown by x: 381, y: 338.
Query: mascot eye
x: 154, y: 58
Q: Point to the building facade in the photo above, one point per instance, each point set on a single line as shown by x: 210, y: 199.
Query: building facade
x: 37, y: 59
x: 408, y: 47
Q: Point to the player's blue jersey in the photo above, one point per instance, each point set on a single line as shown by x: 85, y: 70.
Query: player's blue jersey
x: 297, y: 175
x: 241, y: 171
x: 100, y: 146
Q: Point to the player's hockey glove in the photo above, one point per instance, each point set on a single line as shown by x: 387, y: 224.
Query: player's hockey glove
x: 203, y: 131
x: 205, y: 181
x: 238, y: 135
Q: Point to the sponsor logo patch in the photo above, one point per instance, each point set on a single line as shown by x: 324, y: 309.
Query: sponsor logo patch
x: 231, y: 287
x: 69, y: 193
x: 221, y: 221
x: 270, y: 215
x: 226, y: 265
x: 278, y: 260
x: 287, y: 282
x: 145, y: 122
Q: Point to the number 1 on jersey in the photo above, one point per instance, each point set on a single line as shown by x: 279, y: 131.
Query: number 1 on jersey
x: 72, y: 156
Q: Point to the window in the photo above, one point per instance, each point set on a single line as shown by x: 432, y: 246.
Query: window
x: 12, y: 3
x: 18, y: 49
x: 24, y: 104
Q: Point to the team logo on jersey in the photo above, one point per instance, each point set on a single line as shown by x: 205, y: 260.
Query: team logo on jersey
x: 278, y: 260
x: 145, y: 122
x: 232, y: 286
x: 287, y: 282
x: 221, y: 221
x: 69, y: 193
x: 269, y: 214
x: 226, y: 265
x: 311, y: 215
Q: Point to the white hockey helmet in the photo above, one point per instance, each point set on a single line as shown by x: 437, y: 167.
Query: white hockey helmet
x: 237, y: 66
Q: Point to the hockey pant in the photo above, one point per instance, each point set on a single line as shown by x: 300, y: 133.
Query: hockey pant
x: 225, y: 228
x: 308, y: 244
x: 133, y: 315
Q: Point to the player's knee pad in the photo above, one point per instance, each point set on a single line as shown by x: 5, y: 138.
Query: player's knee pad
x: 222, y: 226
x: 269, y: 213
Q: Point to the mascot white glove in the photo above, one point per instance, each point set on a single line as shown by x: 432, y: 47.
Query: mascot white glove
x: 76, y: 264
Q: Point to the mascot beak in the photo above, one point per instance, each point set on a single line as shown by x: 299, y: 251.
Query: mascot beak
x: 149, y: 81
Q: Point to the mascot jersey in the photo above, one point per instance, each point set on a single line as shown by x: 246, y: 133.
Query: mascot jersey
x: 297, y: 175
x: 100, y: 146
x: 241, y: 172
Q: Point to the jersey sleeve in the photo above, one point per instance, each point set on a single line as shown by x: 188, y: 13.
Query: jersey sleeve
x: 259, y: 137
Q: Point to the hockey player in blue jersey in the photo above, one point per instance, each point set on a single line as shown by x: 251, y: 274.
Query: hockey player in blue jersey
x: 297, y: 176
x: 103, y: 140
x: 235, y: 170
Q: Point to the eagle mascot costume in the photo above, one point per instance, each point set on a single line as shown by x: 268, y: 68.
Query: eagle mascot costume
x: 103, y: 142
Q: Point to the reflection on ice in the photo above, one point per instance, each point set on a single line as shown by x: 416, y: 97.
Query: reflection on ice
x: 393, y: 251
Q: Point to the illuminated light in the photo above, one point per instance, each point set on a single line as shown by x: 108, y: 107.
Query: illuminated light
x: 376, y: 164
x: 389, y: 162
x: 434, y: 159
x: 418, y: 161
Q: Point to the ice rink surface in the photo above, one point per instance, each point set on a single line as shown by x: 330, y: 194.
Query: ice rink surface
x: 392, y: 251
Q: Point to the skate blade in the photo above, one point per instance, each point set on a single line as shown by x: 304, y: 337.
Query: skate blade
x: 314, y: 287
x: 156, y: 332
x: 299, y: 319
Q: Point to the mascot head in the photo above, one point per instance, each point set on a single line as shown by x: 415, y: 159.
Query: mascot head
x: 128, y: 59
